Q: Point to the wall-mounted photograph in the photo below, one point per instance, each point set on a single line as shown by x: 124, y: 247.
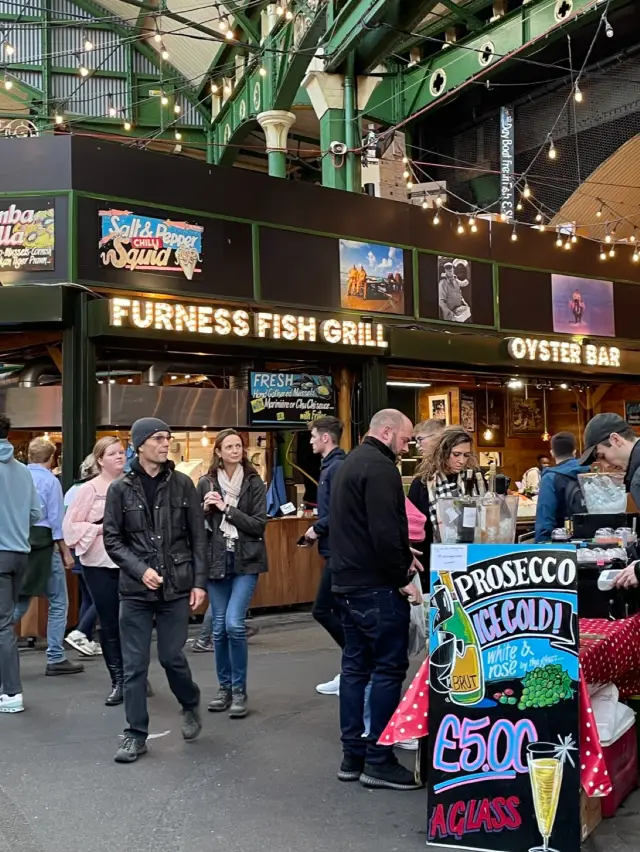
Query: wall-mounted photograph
x: 371, y: 277
x: 440, y: 408
x: 454, y: 289
x: 526, y: 415
x: 582, y: 306
x: 468, y: 412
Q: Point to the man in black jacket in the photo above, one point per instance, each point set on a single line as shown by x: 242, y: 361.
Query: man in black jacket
x: 325, y: 439
x: 154, y: 532
x: 371, y: 563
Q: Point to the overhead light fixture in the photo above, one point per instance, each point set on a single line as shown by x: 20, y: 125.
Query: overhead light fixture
x: 87, y: 43
x: 263, y: 71
x: 552, y: 153
x: 514, y: 384
x: 526, y: 191
x: 603, y: 254
x: 487, y: 435
x: 514, y: 235
x: 599, y: 211
x: 425, y: 206
x: 178, y: 135
x: 289, y: 15
x: 164, y: 100
x: 400, y: 384
x: 607, y: 27
x: 8, y: 84
x: 577, y: 95
x: 58, y: 118
x: 214, y: 89
x: 176, y: 109
x: 436, y: 219
x: 519, y: 207
x: 9, y: 49
x: 127, y: 125
x: 460, y: 228
x: 229, y: 35
x: 539, y: 217
x: 564, y: 386
x: 635, y: 256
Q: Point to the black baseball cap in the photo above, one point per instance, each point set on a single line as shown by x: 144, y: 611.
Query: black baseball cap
x: 599, y: 429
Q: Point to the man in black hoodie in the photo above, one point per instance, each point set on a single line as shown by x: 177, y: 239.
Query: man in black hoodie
x: 371, y: 562
x: 154, y: 532
x: 325, y: 439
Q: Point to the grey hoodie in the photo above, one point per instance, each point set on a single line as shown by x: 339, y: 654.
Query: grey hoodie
x: 19, y: 502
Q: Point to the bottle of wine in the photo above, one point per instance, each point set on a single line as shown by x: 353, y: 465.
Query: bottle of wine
x: 467, y: 677
x: 468, y: 509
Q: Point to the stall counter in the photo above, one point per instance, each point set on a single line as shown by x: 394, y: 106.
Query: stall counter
x: 294, y: 572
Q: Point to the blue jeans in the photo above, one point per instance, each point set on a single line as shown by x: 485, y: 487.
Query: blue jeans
x: 230, y: 599
x: 58, y: 609
x: 88, y: 615
x: 376, y: 627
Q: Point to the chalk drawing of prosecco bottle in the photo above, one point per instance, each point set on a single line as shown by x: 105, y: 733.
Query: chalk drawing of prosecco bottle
x: 467, y: 676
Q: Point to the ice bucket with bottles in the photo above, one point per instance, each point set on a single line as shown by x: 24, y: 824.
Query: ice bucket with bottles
x: 604, y: 493
x: 490, y: 519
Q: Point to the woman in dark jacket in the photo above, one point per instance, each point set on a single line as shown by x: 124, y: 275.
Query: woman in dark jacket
x: 234, y: 499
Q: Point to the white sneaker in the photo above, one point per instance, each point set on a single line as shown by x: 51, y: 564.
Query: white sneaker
x: 97, y: 648
x: 11, y: 704
x: 408, y: 745
x: 80, y: 642
x: 332, y: 687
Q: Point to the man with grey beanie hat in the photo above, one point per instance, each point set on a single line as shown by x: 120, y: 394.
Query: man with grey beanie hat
x: 154, y: 532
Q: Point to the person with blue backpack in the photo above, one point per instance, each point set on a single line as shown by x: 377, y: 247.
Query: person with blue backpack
x: 560, y: 496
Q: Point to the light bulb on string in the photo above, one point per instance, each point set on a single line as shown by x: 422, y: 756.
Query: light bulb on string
x: 164, y: 53
x: 87, y: 43
x: 406, y: 174
x: 112, y: 111
x: 603, y: 254
x: 176, y: 109
x: 552, y: 153
x: 425, y: 206
x: 436, y: 219
x: 633, y: 237
x: 519, y: 207
x: 164, y: 100
x: 599, y: 211
x: 9, y: 49
x: 472, y: 225
x: 178, y: 135
x: 574, y: 238
x: 559, y: 241
x: 514, y: 235
x: 227, y: 89
x: 289, y: 15
x: 503, y: 217
x: 263, y: 71
x: 635, y: 256
x: 567, y: 245
x: 439, y: 201
x: 460, y: 228
x: 405, y: 160
x: 214, y: 89
x: 83, y: 71
x: 8, y: 84
x: 577, y: 94
x: 607, y: 27
x: 58, y: 118
x: 612, y: 252
x: 546, y: 437
x: 127, y: 125
x: 526, y: 191
x: 279, y: 11
x: 607, y: 237
x: 223, y: 25
x: 538, y: 217
x: 204, y: 440
x: 409, y: 185
x: 230, y: 35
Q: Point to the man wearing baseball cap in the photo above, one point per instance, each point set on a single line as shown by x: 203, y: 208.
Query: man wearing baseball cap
x: 609, y: 437
x: 154, y: 532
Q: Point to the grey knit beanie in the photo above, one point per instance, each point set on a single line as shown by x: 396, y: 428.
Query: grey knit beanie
x: 144, y: 428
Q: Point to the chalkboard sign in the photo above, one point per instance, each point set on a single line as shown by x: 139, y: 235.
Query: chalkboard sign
x: 632, y: 413
x: 289, y: 399
x: 503, y: 699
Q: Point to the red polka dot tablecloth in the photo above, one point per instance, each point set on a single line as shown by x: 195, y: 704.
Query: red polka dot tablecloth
x: 609, y: 653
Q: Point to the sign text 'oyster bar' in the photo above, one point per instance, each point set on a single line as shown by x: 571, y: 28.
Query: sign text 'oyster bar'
x: 226, y: 322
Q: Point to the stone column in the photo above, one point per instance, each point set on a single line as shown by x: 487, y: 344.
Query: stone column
x: 276, y: 124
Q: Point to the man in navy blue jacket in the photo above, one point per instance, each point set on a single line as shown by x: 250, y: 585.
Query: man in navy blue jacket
x: 559, y: 497
x: 325, y: 439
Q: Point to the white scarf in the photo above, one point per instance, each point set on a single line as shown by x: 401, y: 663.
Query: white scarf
x: 231, y: 489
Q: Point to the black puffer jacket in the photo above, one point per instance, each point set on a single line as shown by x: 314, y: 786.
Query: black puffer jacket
x: 169, y: 536
x: 249, y: 517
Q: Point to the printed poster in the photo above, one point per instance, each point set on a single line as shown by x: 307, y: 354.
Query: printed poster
x: 582, y: 306
x: 504, y: 770
x: 27, y: 236
x: 289, y: 399
x: 145, y: 244
x: 371, y: 277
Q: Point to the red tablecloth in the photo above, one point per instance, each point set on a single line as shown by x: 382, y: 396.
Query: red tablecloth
x: 609, y: 653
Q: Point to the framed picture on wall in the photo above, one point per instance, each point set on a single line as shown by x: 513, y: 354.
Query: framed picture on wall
x: 455, y: 302
x: 491, y: 432
x: 372, y: 277
x: 440, y: 407
x: 468, y: 412
x: 526, y: 416
x: 632, y: 413
x: 582, y: 306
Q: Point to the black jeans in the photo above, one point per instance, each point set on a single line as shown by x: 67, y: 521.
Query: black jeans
x: 13, y: 567
x: 325, y: 609
x: 376, y: 629
x: 136, y: 626
x: 103, y: 586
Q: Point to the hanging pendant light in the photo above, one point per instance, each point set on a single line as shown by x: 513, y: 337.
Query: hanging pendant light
x: 488, y: 432
x: 545, y: 435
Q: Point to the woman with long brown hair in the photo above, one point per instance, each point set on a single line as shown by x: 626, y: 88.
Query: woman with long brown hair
x: 234, y: 499
x: 82, y: 528
x: 441, y: 474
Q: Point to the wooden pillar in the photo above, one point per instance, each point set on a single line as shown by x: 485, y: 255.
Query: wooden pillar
x: 345, y: 384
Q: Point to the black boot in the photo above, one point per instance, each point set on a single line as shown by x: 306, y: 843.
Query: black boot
x: 112, y: 655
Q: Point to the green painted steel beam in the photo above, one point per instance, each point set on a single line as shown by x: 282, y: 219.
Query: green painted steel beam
x: 245, y: 24
x: 450, y: 69
x: 461, y: 14
x: 285, y: 62
x: 349, y: 27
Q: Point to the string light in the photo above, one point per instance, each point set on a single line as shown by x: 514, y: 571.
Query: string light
x: 229, y: 35
x: 541, y: 227
x: 405, y: 160
x: 127, y: 125
x: 439, y: 201
x: 612, y: 252
x: 178, y: 135
x: 164, y: 53
x: 425, y: 206
x: 176, y: 109
x: 87, y: 43
x: 460, y: 227
x: 599, y: 211
x: 263, y: 71
x: 633, y: 238
x: 559, y: 241
x: 289, y: 15
x: 526, y: 191
x: 58, y: 118
x: 8, y: 84
x: 519, y: 207
x: 607, y: 238
x: 472, y: 225
x: 409, y: 185
x: 607, y: 27
x: 603, y: 254
x: 9, y: 49
x: 112, y: 110
x: 567, y: 245
x: 514, y: 235
x: 436, y: 219
x: 406, y: 174
x: 574, y: 238
x: 164, y: 100
x: 538, y: 217
x: 214, y: 89
x: 635, y: 256
x: 279, y: 11
x: 226, y: 89
x: 83, y: 71
x: 552, y: 153
x: 223, y: 25
x: 577, y: 94
x: 487, y: 435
